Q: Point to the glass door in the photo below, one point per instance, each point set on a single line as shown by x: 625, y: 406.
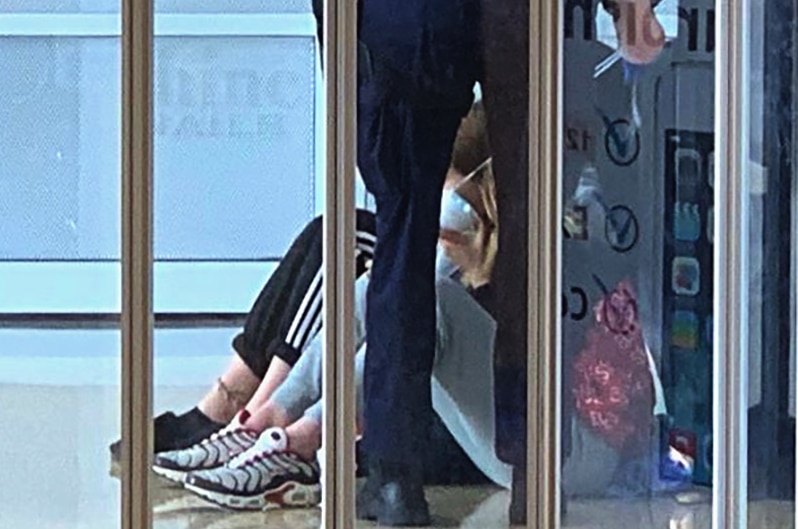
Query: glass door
x: 678, y: 270
x: 768, y: 126
x: 237, y: 239
x: 60, y: 264
x: 615, y: 197
x: 638, y: 139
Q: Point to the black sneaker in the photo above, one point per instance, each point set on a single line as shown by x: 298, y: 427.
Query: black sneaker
x: 171, y: 432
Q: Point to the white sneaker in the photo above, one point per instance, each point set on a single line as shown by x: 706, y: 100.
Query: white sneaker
x: 212, y: 452
x: 267, y: 476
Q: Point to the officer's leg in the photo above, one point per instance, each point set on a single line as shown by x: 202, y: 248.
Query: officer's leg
x: 403, y: 152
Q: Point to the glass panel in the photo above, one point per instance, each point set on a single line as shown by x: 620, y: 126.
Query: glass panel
x: 438, y: 321
x: 239, y: 171
x: 59, y: 271
x: 56, y: 171
x: 58, y: 6
x: 476, y: 417
x: 54, y: 381
x: 637, y: 264
x: 770, y: 184
x: 234, y: 136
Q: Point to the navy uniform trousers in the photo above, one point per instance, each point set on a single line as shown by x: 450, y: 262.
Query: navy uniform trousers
x: 417, y: 65
x: 415, y: 85
x: 418, y: 62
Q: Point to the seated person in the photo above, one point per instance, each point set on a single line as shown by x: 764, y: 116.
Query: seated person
x: 266, y: 457
x: 285, y: 318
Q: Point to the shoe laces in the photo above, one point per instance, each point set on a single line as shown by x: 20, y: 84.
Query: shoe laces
x: 236, y: 425
x: 271, y: 441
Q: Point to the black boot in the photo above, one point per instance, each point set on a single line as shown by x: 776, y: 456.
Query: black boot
x: 393, y: 495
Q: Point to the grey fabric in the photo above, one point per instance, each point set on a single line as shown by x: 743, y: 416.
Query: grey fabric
x: 589, y: 470
x: 462, y: 377
x: 300, y: 392
x: 315, y: 411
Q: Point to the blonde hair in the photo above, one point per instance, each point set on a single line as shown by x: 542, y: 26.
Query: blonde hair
x: 471, y: 145
x: 471, y: 157
x: 486, y: 240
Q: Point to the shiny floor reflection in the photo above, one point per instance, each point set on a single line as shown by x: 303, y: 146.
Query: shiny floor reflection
x: 471, y: 507
x: 60, y: 471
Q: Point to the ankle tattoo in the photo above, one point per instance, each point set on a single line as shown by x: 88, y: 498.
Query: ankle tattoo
x: 238, y: 399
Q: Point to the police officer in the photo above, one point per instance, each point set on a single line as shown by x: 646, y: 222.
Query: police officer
x: 418, y: 62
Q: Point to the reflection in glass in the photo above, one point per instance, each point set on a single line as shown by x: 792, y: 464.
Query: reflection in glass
x: 238, y: 184
x: 59, y: 269
x: 637, y: 289
x: 668, y: 271
x: 234, y: 136
x: 438, y: 412
x: 770, y: 257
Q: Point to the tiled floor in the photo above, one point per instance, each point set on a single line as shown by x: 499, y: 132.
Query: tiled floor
x: 53, y: 451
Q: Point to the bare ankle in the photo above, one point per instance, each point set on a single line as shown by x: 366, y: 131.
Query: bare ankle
x: 304, y: 448
x: 304, y: 438
x: 267, y: 416
x: 222, y: 402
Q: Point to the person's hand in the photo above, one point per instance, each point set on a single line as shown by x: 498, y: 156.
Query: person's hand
x: 640, y: 35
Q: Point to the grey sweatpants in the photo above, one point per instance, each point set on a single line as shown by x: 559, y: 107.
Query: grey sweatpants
x: 462, y: 382
x: 300, y: 394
